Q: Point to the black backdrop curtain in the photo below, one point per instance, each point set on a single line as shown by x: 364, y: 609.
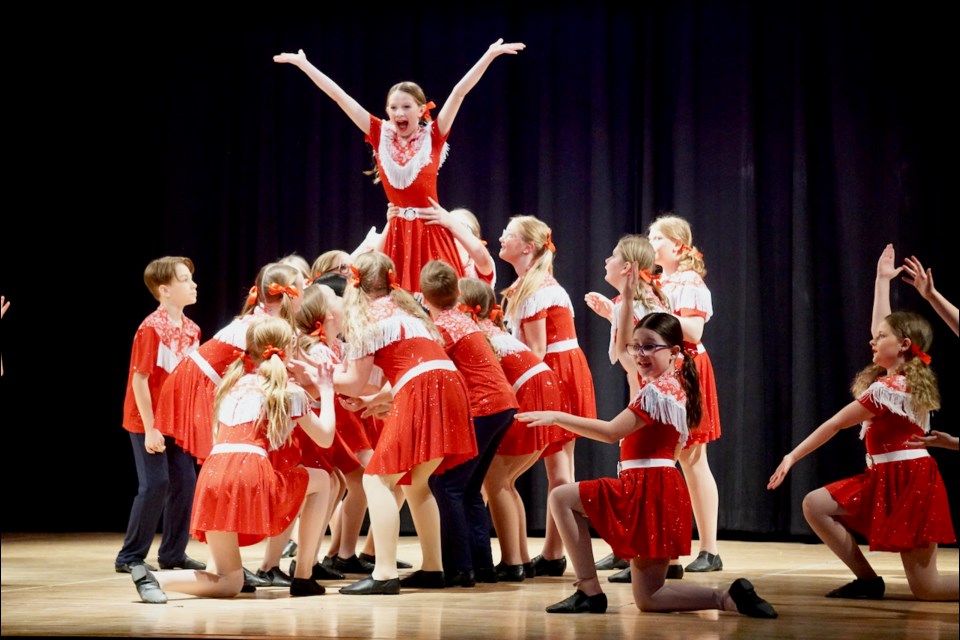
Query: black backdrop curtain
x: 798, y: 139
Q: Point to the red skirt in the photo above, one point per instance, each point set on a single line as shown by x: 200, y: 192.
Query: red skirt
x: 412, y: 243
x: 429, y: 419
x: 709, y: 428
x: 243, y: 493
x: 542, y: 392
x: 185, y: 409
x: 351, y: 429
x: 645, y: 513
x: 897, y: 506
x: 578, y: 394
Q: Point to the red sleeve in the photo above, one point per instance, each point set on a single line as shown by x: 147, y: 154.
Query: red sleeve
x: 539, y: 315
x: 146, y: 346
x: 448, y: 343
x: 373, y: 137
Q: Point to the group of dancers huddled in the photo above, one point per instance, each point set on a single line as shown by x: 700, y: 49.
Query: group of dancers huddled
x: 397, y: 373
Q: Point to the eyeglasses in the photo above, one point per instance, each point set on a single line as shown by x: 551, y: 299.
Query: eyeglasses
x: 645, y: 350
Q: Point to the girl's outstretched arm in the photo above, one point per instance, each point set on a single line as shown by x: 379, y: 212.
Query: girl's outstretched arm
x: 359, y: 115
x: 853, y: 413
x: 610, y: 431
x: 922, y: 279
x: 475, y: 248
x: 886, y: 271
x: 452, y: 105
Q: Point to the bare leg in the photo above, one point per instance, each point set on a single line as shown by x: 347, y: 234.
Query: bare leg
x: 313, y: 521
x: 574, y: 530
x: 559, y: 468
x: 652, y: 592
x: 506, y: 505
x: 384, y: 522
x: 704, y: 497
x: 351, y: 512
x: 426, y: 516
x: 821, y: 511
x: 226, y: 583
x: 925, y: 581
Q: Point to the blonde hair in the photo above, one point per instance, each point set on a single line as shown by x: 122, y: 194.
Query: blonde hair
x: 163, y: 271
x: 280, y: 274
x: 438, y: 283
x: 677, y: 229
x: 637, y: 250
x: 313, y: 310
x: 536, y: 232
x: 374, y: 268
x: 921, y: 380
x: 329, y: 261
x: 264, y: 334
x: 477, y: 293
x: 298, y: 262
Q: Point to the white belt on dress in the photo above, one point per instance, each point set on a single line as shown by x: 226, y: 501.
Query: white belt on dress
x: 896, y: 456
x: 423, y: 367
x: 231, y: 447
x: 540, y: 367
x: 409, y: 213
x: 563, y: 345
x: 644, y: 463
x: 205, y: 366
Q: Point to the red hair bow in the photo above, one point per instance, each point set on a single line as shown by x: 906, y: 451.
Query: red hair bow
x: 426, y: 110
x: 496, y: 312
x: 276, y: 289
x: 648, y: 277
x: 273, y: 351
x: 549, y: 243
x: 685, y: 247
x: 474, y: 311
x: 252, y: 296
x: 924, y: 357
x: 355, y: 281
x: 392, y: 278
x: 248, y: 366
x: 318, y: 331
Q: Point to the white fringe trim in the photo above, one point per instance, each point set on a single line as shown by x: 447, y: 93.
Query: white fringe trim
x: 234, y: 333
x: 505, y: 344
x: 897, y: 402
x: 167, y: 358
x: 691, y: 297
x: 664, y: 408
x: 389, y: 330
x: 402, y: 176
x: 246, y: 404
x: 549, y: 296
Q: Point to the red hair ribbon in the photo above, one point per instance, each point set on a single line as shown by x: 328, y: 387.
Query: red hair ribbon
x: 252, y: 296
x: 549, y: 243
x: 496, y: 312
x: 392, y: 278
x: 648, y: 277
x: 474, y: 311
x: 307, y: 282
x: 248, y: 366
x: 273, y: 351
x: 685, y: 247
x: 355, y: 281
x: 318, y: 331
x: 276, y: 289
x: 924, y: 357
x: 426, y: 110
x: 690, y: 348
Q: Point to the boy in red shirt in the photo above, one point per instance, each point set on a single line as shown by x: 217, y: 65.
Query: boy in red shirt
x: 167, y: 475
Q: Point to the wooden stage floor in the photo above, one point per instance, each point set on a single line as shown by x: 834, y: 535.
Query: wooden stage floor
x: 65, y: 585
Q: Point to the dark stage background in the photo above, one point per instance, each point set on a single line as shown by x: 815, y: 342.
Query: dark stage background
x: 797, y: 138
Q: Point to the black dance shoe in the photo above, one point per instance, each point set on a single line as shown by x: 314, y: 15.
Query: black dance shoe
x: 510, y: 572
x: 370, y: 587
x: 289, y: 550
x: 706, y: 561
x: 424, y: 580
x: 621, y: 576
x: 674, y: 572
x: 460, y: 579
x: 147, y: 585
x: 186, y: 563
x: 860, y: 589
x: 580, y: 603
x: 544, y: 567
x: 353, y: 564
x: 528, y: 571
x: 300, y: 587
x: 275, y: 577
x: 748, y: 602
x: 611, y: 561
x: 128, y: 567
x: 319, y: 572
